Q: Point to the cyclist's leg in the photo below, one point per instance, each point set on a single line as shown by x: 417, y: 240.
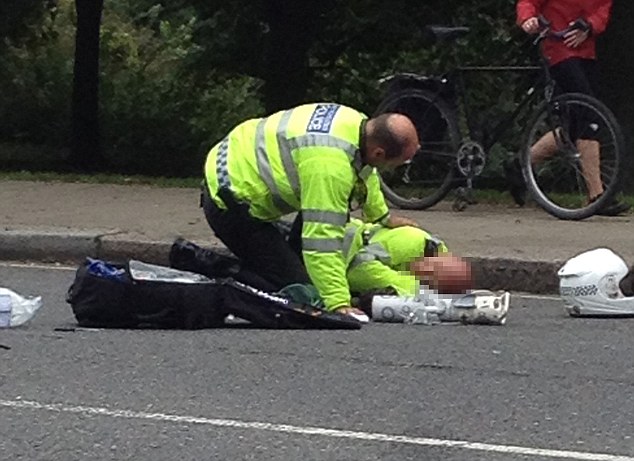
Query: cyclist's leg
x: 569, y: 77
x: 544, y: 148
x: 589, y: 151
x: 592, y: 72
x: 577, y: 75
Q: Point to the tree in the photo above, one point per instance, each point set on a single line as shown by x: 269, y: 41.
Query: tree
x: 16, y: 15
x: 291, y: 32
x: 86, y: 154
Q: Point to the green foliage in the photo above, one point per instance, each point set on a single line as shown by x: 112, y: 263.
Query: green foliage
x: 155, y: 110
x: 175, y: 76
x: 36, y: 83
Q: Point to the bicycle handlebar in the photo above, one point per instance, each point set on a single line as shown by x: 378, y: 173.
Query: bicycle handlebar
x: 547, y: 32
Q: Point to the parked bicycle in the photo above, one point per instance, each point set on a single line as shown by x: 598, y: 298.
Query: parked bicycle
x: 448, y: 161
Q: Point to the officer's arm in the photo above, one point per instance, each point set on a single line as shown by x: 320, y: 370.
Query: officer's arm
x: 375, y: 209
x: 325, y: 189
x: 374, y: 275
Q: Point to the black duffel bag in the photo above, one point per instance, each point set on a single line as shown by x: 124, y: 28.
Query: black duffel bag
x: 140, y: 295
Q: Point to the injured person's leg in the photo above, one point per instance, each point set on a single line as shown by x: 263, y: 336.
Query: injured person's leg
x: 445, y: 294
x: 481, y: 307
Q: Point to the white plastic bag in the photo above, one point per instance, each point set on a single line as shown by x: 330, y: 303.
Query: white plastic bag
x: 16, y: 310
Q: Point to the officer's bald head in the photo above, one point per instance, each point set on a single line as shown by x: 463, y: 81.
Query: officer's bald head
x: 390, y: 138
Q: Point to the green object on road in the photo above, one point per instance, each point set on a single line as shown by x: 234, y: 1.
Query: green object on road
x: 302, y: 294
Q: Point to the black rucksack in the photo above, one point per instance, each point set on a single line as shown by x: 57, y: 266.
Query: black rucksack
x: 140, y: 295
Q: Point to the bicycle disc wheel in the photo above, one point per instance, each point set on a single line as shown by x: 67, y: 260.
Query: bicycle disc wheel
x: 429, y: 176
x: 581, y: 147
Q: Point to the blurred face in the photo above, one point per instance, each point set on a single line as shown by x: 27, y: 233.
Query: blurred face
x: 445, y: 273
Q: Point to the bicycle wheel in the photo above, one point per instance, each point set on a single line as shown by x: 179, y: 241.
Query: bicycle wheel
x: 429, y: 176
x: 582, y: 154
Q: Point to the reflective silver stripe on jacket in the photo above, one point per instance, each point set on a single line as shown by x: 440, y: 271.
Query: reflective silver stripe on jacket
x: 321, y: 140
x: 264, y: 168
x: 285, y: 154
x: 372, y: 232
x: 348, y: 239
x: 365, y: 172
x: 322, y: 245
x: 222, y: 172
x: 372, y: 252
x: 286, y: 147
x: 325, y: 217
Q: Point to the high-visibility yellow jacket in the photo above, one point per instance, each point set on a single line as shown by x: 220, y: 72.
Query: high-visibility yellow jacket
x: 304, y: 159
x: 378, y: 257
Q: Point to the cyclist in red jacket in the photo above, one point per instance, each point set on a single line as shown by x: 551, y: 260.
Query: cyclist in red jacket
x: 573, y: 64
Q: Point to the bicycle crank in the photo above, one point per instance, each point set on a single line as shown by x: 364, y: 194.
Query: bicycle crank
x: 471, y: 159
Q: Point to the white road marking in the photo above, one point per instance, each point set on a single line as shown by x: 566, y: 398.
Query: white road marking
x: 318, y: 431
x: 531, y: 296
x: 52, y: 266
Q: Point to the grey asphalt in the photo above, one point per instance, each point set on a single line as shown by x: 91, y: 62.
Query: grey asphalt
x: 544, y: 381
x: 518, y: 249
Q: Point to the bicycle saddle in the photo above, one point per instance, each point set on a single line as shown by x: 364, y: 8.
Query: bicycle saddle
x: 443, y: 32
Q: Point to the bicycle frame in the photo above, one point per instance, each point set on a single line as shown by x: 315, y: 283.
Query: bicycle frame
x: 501, y: 125
x: 449, y: 115
x: 457, y: 77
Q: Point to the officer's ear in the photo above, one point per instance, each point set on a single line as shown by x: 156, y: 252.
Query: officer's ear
x: 375, y: 155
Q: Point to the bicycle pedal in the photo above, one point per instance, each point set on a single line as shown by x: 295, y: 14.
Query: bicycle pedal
x: 467, y: 195
x: 459, y: 205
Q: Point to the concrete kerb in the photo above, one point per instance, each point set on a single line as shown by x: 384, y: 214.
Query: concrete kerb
x: 47, y: 246
x: 539, y: 277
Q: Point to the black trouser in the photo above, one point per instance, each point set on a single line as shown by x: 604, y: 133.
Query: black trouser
x: 261, y: 248
x: 579, y: 75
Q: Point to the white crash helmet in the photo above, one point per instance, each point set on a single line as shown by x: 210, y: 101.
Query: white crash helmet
x: 589, y: 285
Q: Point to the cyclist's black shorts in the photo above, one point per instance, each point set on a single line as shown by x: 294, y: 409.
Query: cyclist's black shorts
x: 579, y: 75
x: 576, y: 75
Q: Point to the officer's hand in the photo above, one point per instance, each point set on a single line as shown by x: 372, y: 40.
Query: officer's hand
x: 400, y: 221
x: 354, y: 313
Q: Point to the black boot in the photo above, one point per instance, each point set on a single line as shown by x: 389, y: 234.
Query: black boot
x: 188, y: 256
x: 614, y: 208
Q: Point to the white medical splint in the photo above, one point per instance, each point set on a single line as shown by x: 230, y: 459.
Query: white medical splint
x: 482, y: 307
